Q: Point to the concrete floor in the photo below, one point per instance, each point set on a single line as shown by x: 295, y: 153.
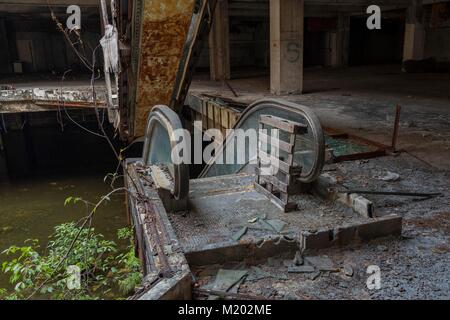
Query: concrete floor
x: 41, y: 92
x: 362, y: 101
x: 220, y: 207
x: 414, y: 266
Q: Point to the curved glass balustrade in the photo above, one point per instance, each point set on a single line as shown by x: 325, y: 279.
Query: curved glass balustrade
x: 309, y: 148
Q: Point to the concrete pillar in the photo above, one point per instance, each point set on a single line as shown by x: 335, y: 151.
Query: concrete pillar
x: 414, y: 44
x: 286, y: 46
x: 340, y: 42
x: 219, y: 43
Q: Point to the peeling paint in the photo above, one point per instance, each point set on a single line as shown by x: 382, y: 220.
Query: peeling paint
x: 164, y: 29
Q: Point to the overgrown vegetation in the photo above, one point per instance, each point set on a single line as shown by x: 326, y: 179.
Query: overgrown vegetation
x: 103, y: 270
x: 104, y: 273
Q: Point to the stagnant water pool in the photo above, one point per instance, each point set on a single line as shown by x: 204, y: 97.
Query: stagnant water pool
x: 31, y: 208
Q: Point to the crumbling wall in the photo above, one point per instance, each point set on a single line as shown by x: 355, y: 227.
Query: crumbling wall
x: 30, y: 100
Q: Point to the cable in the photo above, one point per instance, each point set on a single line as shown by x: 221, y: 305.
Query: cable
x: 68, y: 115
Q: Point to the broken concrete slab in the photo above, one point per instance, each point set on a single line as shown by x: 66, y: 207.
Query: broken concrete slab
x: 358, y: 203
x: 315, y: 275
x: 227, y: 279
x: 343, y: 235
x: 390, y: 176
x: 256, y: 273
x: 37, y: 99
x: 301, y: 269
x: 272, y: 225
x: 348, y: 270
x: 239, y: 234
x: 322, y: 263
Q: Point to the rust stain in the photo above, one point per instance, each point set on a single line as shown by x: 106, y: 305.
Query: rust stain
x: 439, y: 221
x: 165, y: 27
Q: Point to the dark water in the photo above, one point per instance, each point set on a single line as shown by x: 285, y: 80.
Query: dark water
x: 30, y: 208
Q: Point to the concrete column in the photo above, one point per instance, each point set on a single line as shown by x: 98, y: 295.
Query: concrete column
x: 340, y: 42
x: 219, y: 43
x: 414, y: 44
x: 286, y: 46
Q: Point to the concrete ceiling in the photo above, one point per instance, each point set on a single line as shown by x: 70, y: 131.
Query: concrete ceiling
x: 237, y: 7
x: 318, y: 8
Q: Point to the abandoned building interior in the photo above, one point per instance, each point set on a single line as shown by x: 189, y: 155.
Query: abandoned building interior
x: 364, y: 176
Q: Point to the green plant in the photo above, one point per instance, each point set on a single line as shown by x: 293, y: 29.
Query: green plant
x: 129, y: 276
x: 71, y: 245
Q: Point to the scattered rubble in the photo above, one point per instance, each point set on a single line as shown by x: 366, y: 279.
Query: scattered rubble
x: 238, y: 235
x: 322, y: 263
x: 36, y: 99
x: 301, y: 269
x: 414, y: 266
x: 390, y: 176
x: 348, y: 270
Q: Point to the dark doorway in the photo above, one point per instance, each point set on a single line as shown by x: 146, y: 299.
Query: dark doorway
x: 382, y: 46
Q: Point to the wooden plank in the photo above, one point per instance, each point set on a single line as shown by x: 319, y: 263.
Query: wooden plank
x: 210, y: 115
x: 224, y: 118
x: 285, y: 207
x: 271, y: 197
x: 204, y: 115
x: 232, y: 118
x: 217, y: 116
x: 283, y: 124
x: 283, y: 187
x: 268, y: 159
x: 282, y: 145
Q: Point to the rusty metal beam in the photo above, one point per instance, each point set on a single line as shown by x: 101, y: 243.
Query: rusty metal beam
x: 159, y: 37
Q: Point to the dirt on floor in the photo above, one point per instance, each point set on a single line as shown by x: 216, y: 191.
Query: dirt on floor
x: 362, y: 101
x: 415, y: 266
